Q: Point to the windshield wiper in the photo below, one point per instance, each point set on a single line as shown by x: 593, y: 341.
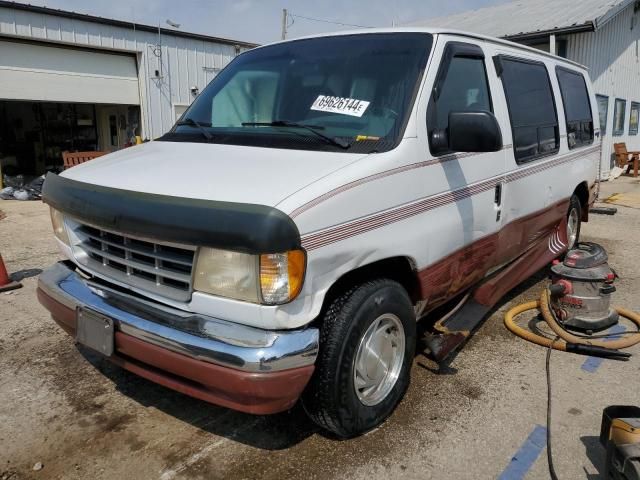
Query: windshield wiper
x: 311, y: 128
x: 193, y: 123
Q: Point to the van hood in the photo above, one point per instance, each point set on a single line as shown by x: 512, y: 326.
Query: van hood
x: 228, y: 173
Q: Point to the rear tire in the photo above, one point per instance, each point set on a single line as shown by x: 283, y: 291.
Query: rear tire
x: 574, y: 222
x: 370, y: 329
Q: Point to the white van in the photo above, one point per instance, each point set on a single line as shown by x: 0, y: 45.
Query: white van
x: 317, y: 198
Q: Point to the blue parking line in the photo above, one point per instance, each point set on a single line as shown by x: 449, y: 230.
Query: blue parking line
x: 524, y: 458
x: 591, y: 364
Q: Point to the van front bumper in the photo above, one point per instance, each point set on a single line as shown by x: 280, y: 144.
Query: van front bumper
x: 228, y: 364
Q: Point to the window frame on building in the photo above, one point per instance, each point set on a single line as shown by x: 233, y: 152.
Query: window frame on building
x: 603, y: 127
x: 581, y: 128
x: 562, y: 47
x: 178, y: 109
x: 633, y: 130
x: 618, y: 132
x: 500, y: 61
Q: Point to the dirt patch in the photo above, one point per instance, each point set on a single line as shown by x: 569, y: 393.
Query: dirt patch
x: 112, y: 423
x: 134, y: 443
x: 62, y: 372
x: 628, y: 199
x: 8, y: 474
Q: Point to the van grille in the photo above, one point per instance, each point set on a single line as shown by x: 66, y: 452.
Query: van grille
x: 157, y: 268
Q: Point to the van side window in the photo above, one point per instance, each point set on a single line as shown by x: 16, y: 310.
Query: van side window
x: 461, y: 86
x: 577, y: 108
x: 532, y: 111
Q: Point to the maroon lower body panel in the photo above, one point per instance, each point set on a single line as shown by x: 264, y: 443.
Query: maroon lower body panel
x: 540, y: 255
x: 534, y: 241
x: 256, y: 393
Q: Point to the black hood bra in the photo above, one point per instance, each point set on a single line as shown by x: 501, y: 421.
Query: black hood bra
x: 242, y: 227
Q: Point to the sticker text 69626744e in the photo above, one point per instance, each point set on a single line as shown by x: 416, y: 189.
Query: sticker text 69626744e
x: 342, y: 105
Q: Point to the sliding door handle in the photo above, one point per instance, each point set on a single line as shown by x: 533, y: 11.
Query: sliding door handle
x: 498, y: 194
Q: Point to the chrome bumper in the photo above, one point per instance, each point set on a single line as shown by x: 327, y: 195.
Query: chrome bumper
x: 201, y: 337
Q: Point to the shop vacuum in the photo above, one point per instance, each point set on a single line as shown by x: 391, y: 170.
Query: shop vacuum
x: 581, y: 290
x: 577, y: 309
x: 577, y: 305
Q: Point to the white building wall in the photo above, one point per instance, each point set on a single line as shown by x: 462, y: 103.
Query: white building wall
x: 612, y: 55
x: 182, y: 63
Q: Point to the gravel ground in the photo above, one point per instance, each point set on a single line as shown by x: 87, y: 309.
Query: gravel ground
x: 81, y: 417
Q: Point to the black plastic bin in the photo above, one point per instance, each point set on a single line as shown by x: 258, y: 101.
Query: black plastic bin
x: 615, y: 411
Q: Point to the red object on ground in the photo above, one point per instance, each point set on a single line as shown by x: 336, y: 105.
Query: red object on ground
x: 5, y: 282
x: 251, y: 392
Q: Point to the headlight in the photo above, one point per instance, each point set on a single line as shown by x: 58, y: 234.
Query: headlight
x: 271, y: 279
x: 228, y: 274
x: 59, y: 230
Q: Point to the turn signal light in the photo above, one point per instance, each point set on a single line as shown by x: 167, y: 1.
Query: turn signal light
x: 281, y: 276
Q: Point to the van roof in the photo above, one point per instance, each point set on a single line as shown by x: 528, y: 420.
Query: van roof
x: 436, y: 31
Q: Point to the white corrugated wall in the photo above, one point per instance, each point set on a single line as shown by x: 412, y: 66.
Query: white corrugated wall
x: 612, y: 55
x: 184, y: 62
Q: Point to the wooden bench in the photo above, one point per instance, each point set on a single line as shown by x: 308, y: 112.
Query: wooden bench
x: 71, y: 159
x: 625, y: 158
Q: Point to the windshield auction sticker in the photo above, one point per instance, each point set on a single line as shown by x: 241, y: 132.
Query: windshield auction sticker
x: 344, y: 106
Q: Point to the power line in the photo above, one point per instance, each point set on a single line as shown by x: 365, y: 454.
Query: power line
x: 328, y: 21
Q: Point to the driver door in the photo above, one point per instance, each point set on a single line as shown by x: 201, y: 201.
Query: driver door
x: 466, y: 250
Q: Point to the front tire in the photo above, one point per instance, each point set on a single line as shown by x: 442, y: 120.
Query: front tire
x: 367, y: 344
x: 574, y: 222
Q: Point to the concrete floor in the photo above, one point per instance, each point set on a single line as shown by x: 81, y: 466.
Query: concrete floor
x: 82, y: 417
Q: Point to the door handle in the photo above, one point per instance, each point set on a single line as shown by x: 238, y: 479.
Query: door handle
x: 498, y: 194
x: 497, y: 199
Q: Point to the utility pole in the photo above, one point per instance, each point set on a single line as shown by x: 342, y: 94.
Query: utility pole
x: 284, y: 23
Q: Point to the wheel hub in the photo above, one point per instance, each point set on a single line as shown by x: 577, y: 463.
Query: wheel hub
x: 379, y: 359
x: 572, y: 228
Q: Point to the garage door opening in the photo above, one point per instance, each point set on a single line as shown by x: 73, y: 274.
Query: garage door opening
x: 57, y: 98
x: 33, y: 135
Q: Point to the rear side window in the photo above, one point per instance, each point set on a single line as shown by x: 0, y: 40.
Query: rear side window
x: 532, y: 110
x: 577, y: 108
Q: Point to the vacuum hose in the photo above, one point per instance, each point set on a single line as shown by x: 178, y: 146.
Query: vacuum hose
x: 566, y: 341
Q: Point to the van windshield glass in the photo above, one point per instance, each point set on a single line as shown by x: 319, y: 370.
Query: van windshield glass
x: 348, y: 93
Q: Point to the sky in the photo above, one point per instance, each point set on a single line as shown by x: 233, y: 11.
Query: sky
x: 260, y: 21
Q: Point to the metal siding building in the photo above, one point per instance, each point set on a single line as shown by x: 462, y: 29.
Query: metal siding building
x: 55, y: 56
x: 611, y: 53
x: 602, y: 35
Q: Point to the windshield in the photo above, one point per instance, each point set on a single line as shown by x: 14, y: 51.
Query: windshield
x: 348, y: 93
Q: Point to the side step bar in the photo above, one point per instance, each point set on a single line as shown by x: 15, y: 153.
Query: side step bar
x: 452, y: 331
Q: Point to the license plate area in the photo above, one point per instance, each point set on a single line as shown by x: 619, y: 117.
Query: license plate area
x: 95, y: 331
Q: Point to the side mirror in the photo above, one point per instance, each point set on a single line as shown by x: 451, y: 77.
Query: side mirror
x: 474, y: 132
x: 468, y: 132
